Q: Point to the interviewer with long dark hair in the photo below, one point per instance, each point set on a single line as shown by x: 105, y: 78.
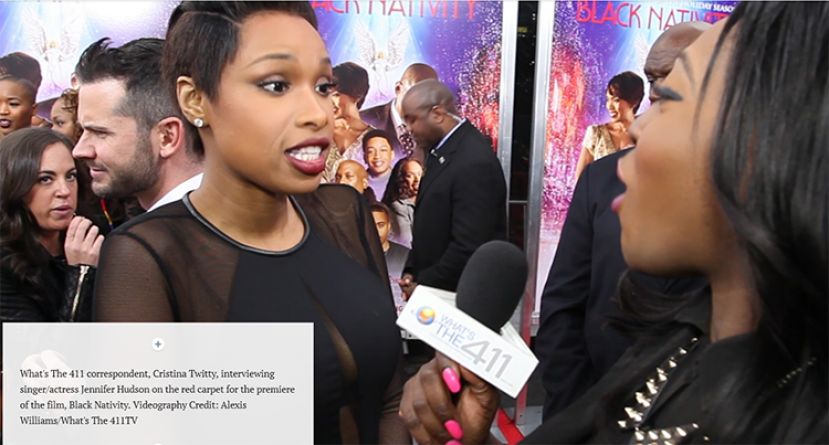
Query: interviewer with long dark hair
x: 728, y: 179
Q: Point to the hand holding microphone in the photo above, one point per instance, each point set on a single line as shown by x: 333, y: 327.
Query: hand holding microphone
x: 428, y: 410
x: 489, y: 289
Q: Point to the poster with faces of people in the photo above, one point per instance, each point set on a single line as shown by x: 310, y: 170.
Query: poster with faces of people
x: 459, y: 40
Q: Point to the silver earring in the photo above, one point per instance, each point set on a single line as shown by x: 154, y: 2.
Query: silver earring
x: 198, y: 122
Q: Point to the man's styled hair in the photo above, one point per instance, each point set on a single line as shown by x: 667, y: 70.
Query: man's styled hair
x: 138, y: 65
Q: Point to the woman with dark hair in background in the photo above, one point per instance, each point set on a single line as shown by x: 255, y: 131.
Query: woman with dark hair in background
x: 65, y: 115
x: 261, y: 240
x: 728, y: 179
x: 400, y: 197
x: 48, y: 253
x: 623, y: 96
x: 349, y: 129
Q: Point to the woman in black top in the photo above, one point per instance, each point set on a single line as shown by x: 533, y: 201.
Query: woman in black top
x: 260, y: 240
x: 48, y: 253
x: 728, y: 179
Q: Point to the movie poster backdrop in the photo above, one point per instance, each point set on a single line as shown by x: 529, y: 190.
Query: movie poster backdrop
x: 591, y: 42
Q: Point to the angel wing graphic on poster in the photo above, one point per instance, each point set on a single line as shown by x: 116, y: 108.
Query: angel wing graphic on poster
x: 52, y: 47
x: 380, y: 61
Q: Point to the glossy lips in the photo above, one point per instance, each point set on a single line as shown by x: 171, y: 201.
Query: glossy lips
x: 308, y: 157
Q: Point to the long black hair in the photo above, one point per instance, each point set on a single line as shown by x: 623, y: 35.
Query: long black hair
x: 770, y: 169
x: 397, y: 188
x: 770, y: 164
x: 22, y: 253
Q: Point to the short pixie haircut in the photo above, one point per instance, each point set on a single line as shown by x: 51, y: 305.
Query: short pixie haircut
x: 628, y: 87
x: 203, y: 37
x: 30, y: 89
x: 23, y: 66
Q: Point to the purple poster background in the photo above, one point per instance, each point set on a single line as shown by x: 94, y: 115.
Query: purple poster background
x: 592, y: 42
x: 56, y: 33
x: 461, y: 39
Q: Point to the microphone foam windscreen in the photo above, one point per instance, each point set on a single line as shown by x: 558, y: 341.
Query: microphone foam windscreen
x: 492, y: 283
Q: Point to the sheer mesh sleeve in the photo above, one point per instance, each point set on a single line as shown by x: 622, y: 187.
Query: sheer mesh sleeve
x: 131, y: 284
x: 342, y: 217
x: 392, y: 428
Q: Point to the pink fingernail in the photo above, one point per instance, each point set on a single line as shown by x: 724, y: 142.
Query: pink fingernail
x: 451, y: 380
x: 453, y: 442
x: 454, y: 429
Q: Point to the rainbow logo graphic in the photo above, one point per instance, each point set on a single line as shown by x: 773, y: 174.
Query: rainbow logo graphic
x: 426, y: 315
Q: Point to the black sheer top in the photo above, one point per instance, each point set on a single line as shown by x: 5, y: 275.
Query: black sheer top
x: 173, y: 265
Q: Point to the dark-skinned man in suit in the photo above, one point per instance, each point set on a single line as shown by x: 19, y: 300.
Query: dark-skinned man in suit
x: 461, y: 203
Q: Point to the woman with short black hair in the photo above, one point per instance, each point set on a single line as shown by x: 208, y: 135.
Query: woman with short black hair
x: 623, y: 96
x: 260, y: 240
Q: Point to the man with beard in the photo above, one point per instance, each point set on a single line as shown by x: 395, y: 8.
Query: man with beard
x: 134, y: 139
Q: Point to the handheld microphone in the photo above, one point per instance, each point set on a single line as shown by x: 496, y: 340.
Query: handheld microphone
x: 475, y: 333
x: 492, y: 283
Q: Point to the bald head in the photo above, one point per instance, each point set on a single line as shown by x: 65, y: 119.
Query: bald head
x: 666, y: 49
x: 430, y: 93
x: 416, y: 72
x: 429, y: 111
x: 353, y: 174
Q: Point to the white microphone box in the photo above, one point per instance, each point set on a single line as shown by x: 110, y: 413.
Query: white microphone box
x: 502, y: 359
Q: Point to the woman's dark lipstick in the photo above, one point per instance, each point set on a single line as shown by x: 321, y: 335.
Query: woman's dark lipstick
x: 309, y: 156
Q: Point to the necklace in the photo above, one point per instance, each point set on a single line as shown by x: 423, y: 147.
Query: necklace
x: 793, y: 373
